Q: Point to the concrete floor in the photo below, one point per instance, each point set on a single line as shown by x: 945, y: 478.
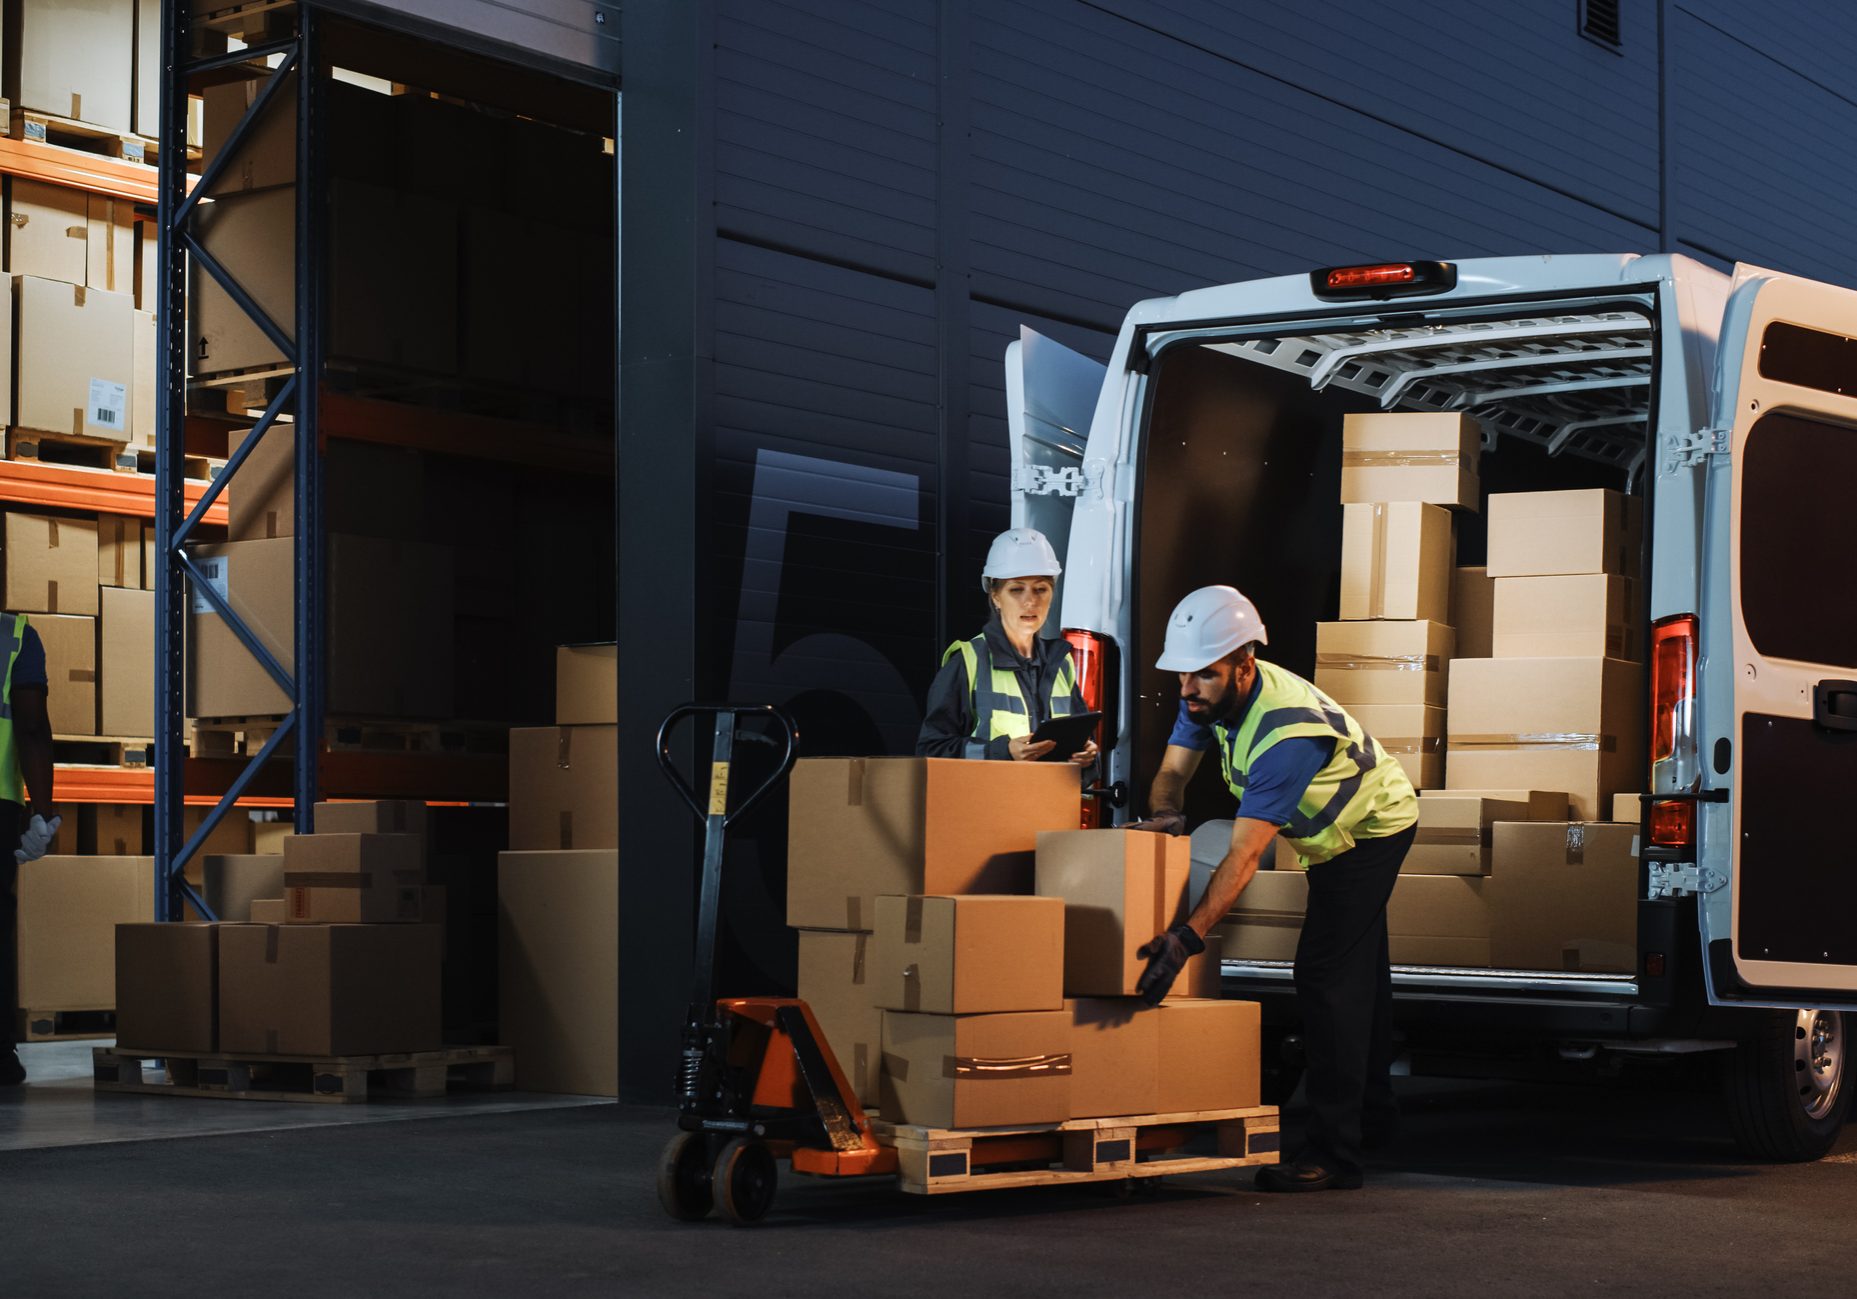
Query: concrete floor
x: 1493, y: 1189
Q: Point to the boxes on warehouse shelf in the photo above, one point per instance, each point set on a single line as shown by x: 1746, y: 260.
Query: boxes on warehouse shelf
x: 1120, y: 888
x: 1210, y: 1055
x: 232, y: 836
x: 144, y: 388
x: 76, y: 348
x: 119, y: 552
x: 1473, y: 603
x: 1439, y: 920
x: 558, y: 961
x: 145, y: 109
x: 1115, y: 1057
x: 587, y: 685
x: 47, y: 231
x: 269, y: 836
x: 322, y: 990
x: 252, y: 235
x: 1455, y: 829
x: 969, y: 955
x: 1573, y: 724
x: 1410, y: 456
x: 1396, y: 561
x: 563, y: 788
x: 379, y: 816
x: 268, y: 157
x: 118, y: 829
x: 1546, y: 534
x: 1565, y: 896
x: 1579, y: 615
x: 109, y: 258
x: 235, y: 882
x: 835, y: 981
x: 369, y: 490
x: 126, y: 632
x: 860, y: 827
x: 354, y: 878
x: 1413, y: 733
x: 148, y: 276
x: 150, y: 569
x: 1266, y: 921
x: 972, y: 1071
x: 69, y: 908
x: 72, y: 61
x: 383, y: 236
x: 167, y: 986
x: 70, y: 645
x: 1383, y: 662
x: 50, y: 564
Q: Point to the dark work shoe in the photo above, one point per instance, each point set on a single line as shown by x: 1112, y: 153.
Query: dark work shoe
x: 1305, y: 1175
x: 12, y: 1072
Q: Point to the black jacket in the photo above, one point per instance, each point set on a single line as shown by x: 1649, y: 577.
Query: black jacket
x: 948, y: 730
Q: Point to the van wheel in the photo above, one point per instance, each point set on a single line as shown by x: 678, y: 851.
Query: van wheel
x: 1787, y: 1088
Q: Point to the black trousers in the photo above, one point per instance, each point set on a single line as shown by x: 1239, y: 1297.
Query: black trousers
x: 12, y: 821
x: 1344, y: 988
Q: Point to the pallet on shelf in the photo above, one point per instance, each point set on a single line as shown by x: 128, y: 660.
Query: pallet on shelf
x: 241, y: 737
x: 66, y: 1025
x: 141, y: 460
x: 80, y: 137
x: 77, y: 450
x: 102, y: 751
x: 937, y: 1161
x: 335, y: 1080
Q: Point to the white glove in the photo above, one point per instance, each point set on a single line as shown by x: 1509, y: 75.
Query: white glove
x: 37, y: 838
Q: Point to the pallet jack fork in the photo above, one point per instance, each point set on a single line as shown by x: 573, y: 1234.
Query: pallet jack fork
x: 757, y: 1080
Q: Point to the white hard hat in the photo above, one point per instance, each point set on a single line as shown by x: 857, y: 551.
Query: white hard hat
x: 1019, y: 552
x: 1208, y: 625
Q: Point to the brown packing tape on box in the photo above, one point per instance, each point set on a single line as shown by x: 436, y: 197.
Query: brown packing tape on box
x: 81, y: 675
x: 1379, y: 662
x: 1456, y: 836
x: 328, y: 880
x: 1400, y: 459
x: 1410, y: 743
x: 912, y: 936
x: 980, y: 1068
x: 1538, y: 740
x: 857, y: 960
x: 1376, y: 586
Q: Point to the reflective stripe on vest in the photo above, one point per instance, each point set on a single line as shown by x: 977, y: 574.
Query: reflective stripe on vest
x: 1363, y: 788
x: 995, y: 699
x: 12, y: 639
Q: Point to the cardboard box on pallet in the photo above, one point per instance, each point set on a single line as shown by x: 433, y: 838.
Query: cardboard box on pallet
x: 835, y: 982
x: 1210, y: 1055
x: 1574, y: 724
x: 47, y: 231
x: 1454, y: 831
x: 72, y: 61
x: 1410, y: 456
x: 76, y: 359
x: 120, y: 829
x: 1413, y: 733
x: 558, y: 960
x: 69, y: 908
x: 563, y: 788
x: 325, y: 990
x: 969, y: 955
x: 167, y: 986
x: 145, y: 115
x: 587, y: 685
x: 253, y: 236
x: 119, y: 552
x: 71, y: 669
x: 1383, y: 662
x: 1473, y: 601
x: 1266, y: 921
x: 860, y: 827
x: 127, y: 692
x: 1120, y: 888
x: 144, y: 388
x: 354, y: 878
x: 1546, y: 534
x: 1582, y: 615
x: 1115, y: 1050
x: 236, y: 882
x: 109, y: 259
x: 972, y: 1071
x: 1396, y: 562
x: 1440, y: 920
x: 1564, y: 897
x: 269, y: 156
x: 50, y: 564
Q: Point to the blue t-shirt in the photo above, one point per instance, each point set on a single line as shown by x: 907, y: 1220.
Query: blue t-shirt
x: 29, y: 667
x: 1278, y: 779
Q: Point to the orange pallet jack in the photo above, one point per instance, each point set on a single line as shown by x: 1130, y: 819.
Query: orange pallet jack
x: 757, y: 1081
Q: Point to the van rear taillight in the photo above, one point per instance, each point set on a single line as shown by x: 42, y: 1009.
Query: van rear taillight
x: 1383, y: 280
x: 1673, y: 693
x: 1673, y: 823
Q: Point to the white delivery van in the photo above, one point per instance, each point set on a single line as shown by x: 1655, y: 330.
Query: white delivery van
x: 1209, y: 450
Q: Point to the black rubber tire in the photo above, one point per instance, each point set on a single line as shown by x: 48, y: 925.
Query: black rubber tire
x: 745, y: 1179
x: 1766, y: 1111
x: 683, y: 1178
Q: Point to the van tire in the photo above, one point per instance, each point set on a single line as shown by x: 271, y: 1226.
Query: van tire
x: 1788, y: 1088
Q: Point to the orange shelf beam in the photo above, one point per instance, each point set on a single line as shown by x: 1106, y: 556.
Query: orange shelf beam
x: 31, y: 482
x: 80, y: 784
x: 60, y: 166
x: 439, y: 777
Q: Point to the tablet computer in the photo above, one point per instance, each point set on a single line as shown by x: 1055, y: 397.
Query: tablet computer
x: 1071, y: 734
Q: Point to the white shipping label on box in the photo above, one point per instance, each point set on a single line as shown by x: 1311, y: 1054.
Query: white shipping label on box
x: 109, y: 406
x: 214, y: 569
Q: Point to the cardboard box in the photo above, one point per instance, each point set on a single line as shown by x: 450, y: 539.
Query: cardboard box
x: 382, y: 816
x: 167, y: 986
x: 969, y: 955
x: 394, y: 274
x: 1564, y: 897
x: 1396, y: 561
x: 1585, y: 615
x: 860, y: 827
x: 558, y: 958
x: 268, y: 837
x: 47, y: 231
x: 1439, y: 920
x: 1210, y: 1056
x: 324, y: 990
x: 1410, y: 456
x: 1574, y: 724
x: 973, y: 1071
x: 1266, y: 921
x: 1115, y: 1057
x: 69, y: 908
x: 1627, y: 809
x: 1543, y: 534
x: 150, y: 562
x: 835, y: 983
x: 269, y: 156
x: 70, y: 669
x: 268, y: 911
x: 253, y: 236
x: 236, y: 882
x: 119, y: 552
x: 1542, y: 804
x: 72, y: 60
x: 148, y: 268
x: 76, y: 359
x: 1413, y: 733
x: 127, y: 690
x: 369, y: 490
x: 1473, y: 602
x: 120, y: 829
x: 231, y: 837
x: 354, y: 878
x: 1383, y: 662
x: 1454, y: 831
x: 146, y: 108
x: 1120, y: 888
x: 587, y: 685
x: 110, y: 245
x: 50, y: 565
x: 145, y: 387
x: 563, y: 788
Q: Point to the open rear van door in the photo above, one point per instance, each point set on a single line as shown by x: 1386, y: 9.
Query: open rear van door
x: 1051, y: 395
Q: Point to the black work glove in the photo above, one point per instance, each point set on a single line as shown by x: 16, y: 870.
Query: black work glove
x: 1167, y: 955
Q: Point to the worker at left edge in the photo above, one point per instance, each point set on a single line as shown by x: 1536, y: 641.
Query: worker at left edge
x: 26, y: 828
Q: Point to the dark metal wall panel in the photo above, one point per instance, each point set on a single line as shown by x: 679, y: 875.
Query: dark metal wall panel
x: 1816, y: 39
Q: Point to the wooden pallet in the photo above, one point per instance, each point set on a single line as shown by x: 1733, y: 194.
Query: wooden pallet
x: 84, y: 137
x: 78, y: 450
x: 141, y: 460
x: 240, y: 737
x: 65, y: 1025
x: 332, y: 1080
x: 938, y: 1161
x: 102, y: 751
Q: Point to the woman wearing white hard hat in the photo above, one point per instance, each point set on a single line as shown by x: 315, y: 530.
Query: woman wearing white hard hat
x: 1301, y: 767
x: 995, y: 690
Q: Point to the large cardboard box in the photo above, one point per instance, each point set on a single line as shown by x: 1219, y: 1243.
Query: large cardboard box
x: 76, y: 359
x: 50, y: 565
x: 167, y: 986
x: 119, y: 829
x: 146, y: 114
x: 1211, y: 1055
x: 587, y: 685
x: 1115, y: 1057
x: 381, y: 816
x: 72, y: 60
x: 119, y: 552
x: 974, y: 1071
x: 1396, y: 561
x: 835, y: 983
x: 234, y: 882
x: 1454, y: 831
x: 323, y: 990
x: 109, y: 262
x: 70, y: 669
x: 1542, y: 804
x: 860, y: 827
x: 369, y: 490
x: 1383, y: 662
x: 1439, y: 920
x: 1564, y: 897
x: 354, y: 878
x: 969, y: 955
x: 269, y: 156
x: 127, y: 691
x: 1413, y: 733
x: 1266, y: 921
x: 253, y: 236
x: 1583, y: 615
x: 1410, y: 456
x: 1120, y: 888
x: 47, y: 231
x: 231, y: 837
x: 1627, y: 809
x: 1573, y: 724
x: 563, y: 788
x: 145, y: 386
x: 1543, y: 534
x: 558, y: 960
x: 1473, y: 603
x: 69, y: 908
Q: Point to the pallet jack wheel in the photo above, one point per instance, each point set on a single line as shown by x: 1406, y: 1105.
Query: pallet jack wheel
x: 744, y: 1181
x: 683, y: 1178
